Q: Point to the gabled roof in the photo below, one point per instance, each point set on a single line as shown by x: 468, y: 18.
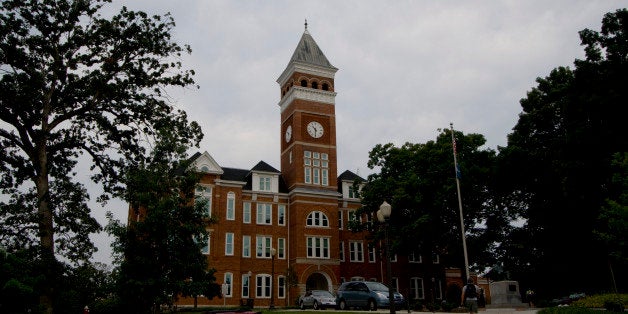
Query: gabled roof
x: 264, y: 167
x: 349, y: 176
x: 308, y: 52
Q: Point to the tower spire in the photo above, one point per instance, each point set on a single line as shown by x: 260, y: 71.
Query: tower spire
x: 306, y: 25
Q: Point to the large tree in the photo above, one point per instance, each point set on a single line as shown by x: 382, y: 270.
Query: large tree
x: 160, y: 251
x: 419, y: 181
x: 78, y: 87
x: 559, y: 159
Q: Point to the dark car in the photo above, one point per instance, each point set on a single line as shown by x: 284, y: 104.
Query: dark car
x: 317, y: 299
x: 365, y: 294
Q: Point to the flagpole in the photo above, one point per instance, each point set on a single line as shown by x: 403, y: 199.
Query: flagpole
x: 464, y: 237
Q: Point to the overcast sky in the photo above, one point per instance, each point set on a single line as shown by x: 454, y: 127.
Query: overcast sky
x: 406, y: 69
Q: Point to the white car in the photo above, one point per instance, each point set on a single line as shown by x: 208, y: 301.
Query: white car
x: 317, y: 299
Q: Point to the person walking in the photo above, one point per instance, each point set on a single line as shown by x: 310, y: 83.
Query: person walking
x: 469, y: 298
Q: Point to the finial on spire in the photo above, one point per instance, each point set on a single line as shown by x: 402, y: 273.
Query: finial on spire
x: 306, y: 24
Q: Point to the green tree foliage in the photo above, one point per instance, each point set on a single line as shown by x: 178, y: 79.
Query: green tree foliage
x: 558, y: 160
x: 419, y: 181
x: 77, y: 85
x: 159, y: 253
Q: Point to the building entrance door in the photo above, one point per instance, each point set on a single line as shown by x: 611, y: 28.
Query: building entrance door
x: 317, y: 281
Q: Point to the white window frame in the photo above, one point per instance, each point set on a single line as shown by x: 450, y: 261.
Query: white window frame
x: 246, y: 212
x: 246, y: 246
x: 371, y: 250
x: 318, y: 247
x: 356, y: 251
x: 417, y: 289
x: 317, y: 219
x: 206, y: 249
x: 263, y: 286
x: 229, y: 243
x: 265, y: 183
x: 281, y: 287
x: 412, y: 258
x: 230, y: 206
x: 204, y: 192
x: 263, y: 244
x: 281, y: 248
x: 341, y: 256
x: 228, y: 280
x: 435, y: 258
x: 246, y: 285
x: 281, y: 214
x: 264, y: 214
x: 340, y: 219
x: 316, y: 168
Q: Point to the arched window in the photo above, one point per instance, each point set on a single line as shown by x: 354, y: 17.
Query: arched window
x: 317, y: 219
x: 314, y: 85
x: 325, y: 86
x: 304, y: 83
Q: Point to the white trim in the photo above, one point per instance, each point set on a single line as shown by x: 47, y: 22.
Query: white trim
x: 316, y: 95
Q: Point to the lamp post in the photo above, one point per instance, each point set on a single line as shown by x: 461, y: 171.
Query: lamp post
x: 250, y: 273
x: 273, y: 251
x: 383, y: 216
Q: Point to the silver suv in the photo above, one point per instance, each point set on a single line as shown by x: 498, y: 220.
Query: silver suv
x: 365, y: 294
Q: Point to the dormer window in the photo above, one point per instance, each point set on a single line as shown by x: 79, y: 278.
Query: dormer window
x: 264, y: 183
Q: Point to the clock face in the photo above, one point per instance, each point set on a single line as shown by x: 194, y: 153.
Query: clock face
x: 288, y: 133
x: 315, y: 129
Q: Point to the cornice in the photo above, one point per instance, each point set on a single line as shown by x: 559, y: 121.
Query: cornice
x: 306, y: 69
x: 298, y: 92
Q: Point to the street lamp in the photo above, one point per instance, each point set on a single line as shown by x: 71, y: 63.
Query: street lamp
x: 383, y: 216
x: 273, y: 251
x: 250, y: 273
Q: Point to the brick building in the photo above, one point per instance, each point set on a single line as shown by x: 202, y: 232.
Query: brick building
x: 281, y: 232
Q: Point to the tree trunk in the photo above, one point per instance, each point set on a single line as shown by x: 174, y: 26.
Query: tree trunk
x: 46, y: 230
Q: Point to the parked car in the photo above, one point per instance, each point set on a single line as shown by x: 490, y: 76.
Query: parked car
x: 366, y: 294
x: 317, y: 299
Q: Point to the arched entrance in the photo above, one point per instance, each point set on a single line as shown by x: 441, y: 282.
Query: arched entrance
x: 317, y: 281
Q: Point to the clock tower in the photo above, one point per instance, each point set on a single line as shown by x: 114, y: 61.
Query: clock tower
x: 308, y: 164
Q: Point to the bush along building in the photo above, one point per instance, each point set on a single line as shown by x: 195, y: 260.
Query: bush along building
x: 279, y: 233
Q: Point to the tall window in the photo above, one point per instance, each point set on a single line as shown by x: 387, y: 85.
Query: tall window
x: 264, y: 214
x: 317, y: 219
x: 395, y: 283
x: 356, y: 252
x: 341, y: 256
x: 281, y: 287
x: 246, y: 285
x: 263, y: 245
x: 317, y: 247
x: 371, y: 253
x: 316, y: 168
x: 246, y: 212
x: 353, y: 217
x: 352, y: 192
x: 414, y: 258
x: 281, y: 248
x: 438, y: 289
x: 229, y: 283
x: 203, y: 194
x: 229, y: 243
x: 246, y: 246
x: 230, y: 206
x: 205, y: 249
x: 263, y: 285
x: 416, y: 288
x: 435, y: 258
x: 281, y: 215
x: 340, y: 219
x: 264, y: 183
